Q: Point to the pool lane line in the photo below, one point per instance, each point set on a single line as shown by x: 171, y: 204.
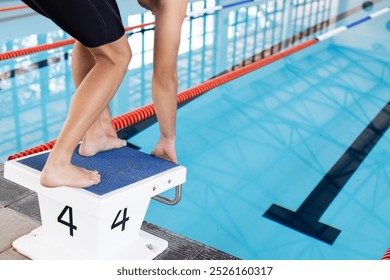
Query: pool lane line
x: 13, y: 8
x: 353, y: 24
x: 298, y: 36
x: 147, y: 115
x: 306, y: 218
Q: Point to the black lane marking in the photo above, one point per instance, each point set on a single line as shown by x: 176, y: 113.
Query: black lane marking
x: 306, y: 218
x: 34, y: 66
x: 131, y: 145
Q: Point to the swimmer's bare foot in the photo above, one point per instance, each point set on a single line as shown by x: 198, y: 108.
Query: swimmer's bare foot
x: 165, y: 149
x: 69, y: 176
x: 92, y: 145
x: 99, y: 139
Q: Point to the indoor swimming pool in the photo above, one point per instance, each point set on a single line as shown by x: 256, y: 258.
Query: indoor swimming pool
x: 286, y: 162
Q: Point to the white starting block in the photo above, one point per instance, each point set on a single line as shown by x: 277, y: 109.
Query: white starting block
x: 100, y: 222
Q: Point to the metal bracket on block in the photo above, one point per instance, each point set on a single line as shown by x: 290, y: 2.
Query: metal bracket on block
x: 168, y: 201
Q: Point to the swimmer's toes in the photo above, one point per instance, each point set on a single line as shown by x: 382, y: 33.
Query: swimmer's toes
x: 95, y: 177
x: 119, y: 143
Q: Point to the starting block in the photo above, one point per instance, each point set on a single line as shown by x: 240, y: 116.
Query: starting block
x: 102, y: 221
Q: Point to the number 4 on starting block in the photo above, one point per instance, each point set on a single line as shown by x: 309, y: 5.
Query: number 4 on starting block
x: 100, y: 222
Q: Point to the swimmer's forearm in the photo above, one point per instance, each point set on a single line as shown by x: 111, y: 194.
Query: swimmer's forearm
x: 169, y: 19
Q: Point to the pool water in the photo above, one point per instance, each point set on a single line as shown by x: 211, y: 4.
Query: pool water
x: 269, y: 138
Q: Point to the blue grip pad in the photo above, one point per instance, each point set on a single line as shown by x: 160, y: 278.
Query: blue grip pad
x: 118, y: 168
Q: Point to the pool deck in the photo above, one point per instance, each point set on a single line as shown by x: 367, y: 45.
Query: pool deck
x: 19, y: 215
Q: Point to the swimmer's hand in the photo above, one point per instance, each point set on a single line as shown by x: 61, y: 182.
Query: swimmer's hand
x: 165, y: 149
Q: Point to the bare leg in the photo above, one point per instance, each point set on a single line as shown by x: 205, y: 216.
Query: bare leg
x: 91, y: 98
x: 169, y: 19
x: 101, y: 135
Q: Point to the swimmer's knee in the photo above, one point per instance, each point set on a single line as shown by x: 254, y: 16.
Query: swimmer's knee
x: 123, y: 51
x: 117, y: 53
x: 123, y: 56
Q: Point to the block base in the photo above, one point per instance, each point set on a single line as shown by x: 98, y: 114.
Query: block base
x: 36, y: 246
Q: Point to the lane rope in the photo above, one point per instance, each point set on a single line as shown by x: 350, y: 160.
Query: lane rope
x: 6, y: 9
x: 386, y: 256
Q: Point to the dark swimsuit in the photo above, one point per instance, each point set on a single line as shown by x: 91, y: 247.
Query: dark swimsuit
x: 92, y: 22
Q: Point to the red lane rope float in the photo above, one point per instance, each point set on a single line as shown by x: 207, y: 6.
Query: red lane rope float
x: 44, y: 47
x: 63, y: 43
x: 148, y: 111
x: 13, y: 8
x: 387, y: 255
